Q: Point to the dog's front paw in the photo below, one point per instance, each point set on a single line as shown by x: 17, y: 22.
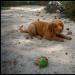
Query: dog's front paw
x: 69, y: 38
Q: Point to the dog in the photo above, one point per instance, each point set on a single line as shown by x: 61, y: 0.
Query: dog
x: 47, y: 30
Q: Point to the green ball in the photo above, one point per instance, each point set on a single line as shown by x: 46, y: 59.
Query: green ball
x: 42, y: 62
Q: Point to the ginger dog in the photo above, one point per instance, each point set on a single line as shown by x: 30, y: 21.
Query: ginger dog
x: 48, y: 30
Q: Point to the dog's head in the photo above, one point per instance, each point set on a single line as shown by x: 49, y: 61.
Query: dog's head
x: 56, y: 26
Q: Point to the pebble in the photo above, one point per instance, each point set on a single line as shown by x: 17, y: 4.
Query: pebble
x: 69, y: 33
x: 66, y: 53
x: 27, y: 37
x: 67, y: 28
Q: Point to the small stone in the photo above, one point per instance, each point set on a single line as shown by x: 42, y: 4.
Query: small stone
x: 37, y: 14
x: 30, y: 18
x: 22, y: 65
x: 19, y: 71
x: 66, y: 53
x: 4, y: 61
x: 67, y: 28
x: 19, y: 42
x: 41, y: 15
x: 55, y: 72
x: 27, y: 37
x: 14, y: 62
x: 69, y: 33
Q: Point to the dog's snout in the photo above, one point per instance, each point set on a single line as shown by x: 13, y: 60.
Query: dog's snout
x: 61, y: 29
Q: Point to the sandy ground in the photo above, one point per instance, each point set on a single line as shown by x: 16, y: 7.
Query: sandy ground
x: 18, y: 53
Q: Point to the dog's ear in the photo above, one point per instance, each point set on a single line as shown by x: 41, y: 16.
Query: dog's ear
x: 51, y: 27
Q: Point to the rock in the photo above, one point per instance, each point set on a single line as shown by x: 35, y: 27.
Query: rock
x: 14, y: 62
x: 67, y: 28
x: 53, y: 6
x: 19, y: 42
x: 69, y: 33
x: 66, y: 53
x: 27, y: 37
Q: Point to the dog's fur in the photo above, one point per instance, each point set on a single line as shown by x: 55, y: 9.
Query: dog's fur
x: 48, y: 30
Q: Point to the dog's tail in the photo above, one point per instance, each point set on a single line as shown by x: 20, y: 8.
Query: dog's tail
x: 22, y: 29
